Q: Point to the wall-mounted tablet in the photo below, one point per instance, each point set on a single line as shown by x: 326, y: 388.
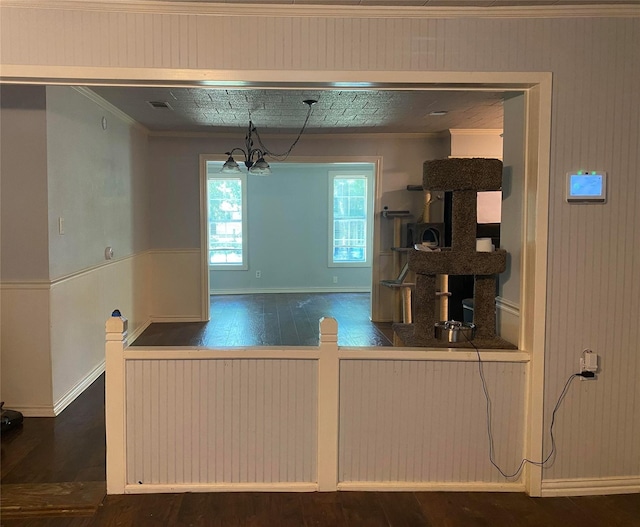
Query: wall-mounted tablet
x: 587, y: 186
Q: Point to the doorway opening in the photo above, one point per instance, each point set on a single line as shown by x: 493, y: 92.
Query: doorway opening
x: 285, y: 250
x: 306, y: 228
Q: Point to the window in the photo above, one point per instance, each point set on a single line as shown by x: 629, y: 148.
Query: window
x: 349, y: 233
x: 227, y: 219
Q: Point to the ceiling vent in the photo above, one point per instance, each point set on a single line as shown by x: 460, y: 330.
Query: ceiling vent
x: 160, y: 105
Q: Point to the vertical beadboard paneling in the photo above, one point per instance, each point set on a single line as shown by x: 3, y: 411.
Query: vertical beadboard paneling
x: 415, y: 421
x: 221, y: 421
x: 593, y: 289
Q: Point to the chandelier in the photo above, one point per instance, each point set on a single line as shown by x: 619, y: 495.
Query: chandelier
x: 254, y: 157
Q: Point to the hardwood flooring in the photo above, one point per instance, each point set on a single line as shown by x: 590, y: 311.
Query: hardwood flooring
x: 53, y: 476
x: 20, y: 500
x: 350, y: 509
x: 67, y: 448
x: 55, y: 466
x: 274, y: 320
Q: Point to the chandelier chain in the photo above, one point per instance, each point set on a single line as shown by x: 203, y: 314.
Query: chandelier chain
x: 284, y: 155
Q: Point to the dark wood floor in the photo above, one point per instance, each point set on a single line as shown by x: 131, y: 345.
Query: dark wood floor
x: 274, y: 320
x: 53, y: 476
x: 70, y: 447
x: 352, y: 509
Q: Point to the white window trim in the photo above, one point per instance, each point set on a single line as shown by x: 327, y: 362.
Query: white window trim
x: 346, y: 174
x: 244, y: 266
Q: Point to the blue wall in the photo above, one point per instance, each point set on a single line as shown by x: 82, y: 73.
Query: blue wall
x: 288, y: 224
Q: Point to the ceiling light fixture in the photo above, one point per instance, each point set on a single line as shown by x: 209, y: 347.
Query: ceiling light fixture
x: 254, y: 157
x: 438, y: 113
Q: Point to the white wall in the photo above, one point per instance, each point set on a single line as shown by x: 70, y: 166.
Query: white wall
x: 24, y: 266
x: 511, y: 234
x: 476, y: 143
x: 482, y: 143
x: 96, y: 183
x: 25, y: 341
x: 59, y: 162
x: 593, y: 281
x: 23, y: 164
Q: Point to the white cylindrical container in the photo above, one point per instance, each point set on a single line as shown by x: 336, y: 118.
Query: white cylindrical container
x: 484, y: 245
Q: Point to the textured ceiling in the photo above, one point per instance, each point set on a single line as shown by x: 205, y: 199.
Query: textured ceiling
x: 390, y: 111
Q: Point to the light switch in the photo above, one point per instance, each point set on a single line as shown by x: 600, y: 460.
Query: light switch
x: 60, y: 225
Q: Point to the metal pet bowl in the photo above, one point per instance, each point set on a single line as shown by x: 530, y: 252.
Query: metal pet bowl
x: 454, y: 331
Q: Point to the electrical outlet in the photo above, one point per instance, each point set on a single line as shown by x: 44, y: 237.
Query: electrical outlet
x: 258, y: 274
x: 335, y: 279
x: 588, y: 363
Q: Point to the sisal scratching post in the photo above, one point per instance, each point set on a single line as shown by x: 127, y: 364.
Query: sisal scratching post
x: 424, y: 312
x: 464, y: 212
x: 484, y: 306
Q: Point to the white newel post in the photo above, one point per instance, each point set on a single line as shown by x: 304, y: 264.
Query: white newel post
x: 328, y: 405
x: 116, y: 341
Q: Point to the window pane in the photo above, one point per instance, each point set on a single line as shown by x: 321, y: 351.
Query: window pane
x: 225, y: 221
x: 349, y: 220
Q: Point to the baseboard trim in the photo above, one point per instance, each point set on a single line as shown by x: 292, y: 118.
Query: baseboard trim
x: 64, y: 401
x: 590, y: 487
x: 220, y: 487
x: 72, y: 394
x: 131, y: 337
x: 32, y: 410
x: 174, y: 318
x: 363, y: 289
x: 508, y: 306
x: 431, y: 486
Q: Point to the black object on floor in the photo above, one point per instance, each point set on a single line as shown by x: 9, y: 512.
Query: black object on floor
x: 10, y: 418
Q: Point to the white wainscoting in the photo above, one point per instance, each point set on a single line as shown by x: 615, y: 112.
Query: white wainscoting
x: 80, y: 387
x: 312, y: 418
x: 26, y: 360
x: 425, y: 421
x: 79, y: 305
x: 176, y: 293
x: 192, y: 422
x: 508, y: 320
x: 53, y: 331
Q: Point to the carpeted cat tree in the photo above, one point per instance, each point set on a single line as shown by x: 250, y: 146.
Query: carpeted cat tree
x: 465, y: 178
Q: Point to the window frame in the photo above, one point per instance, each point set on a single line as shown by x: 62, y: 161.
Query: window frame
x: 368, y: 178
x: 242, y: 177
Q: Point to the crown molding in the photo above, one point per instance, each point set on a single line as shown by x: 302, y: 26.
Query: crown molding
x: 288, y: 10
x: 106, y: 105
x: 309, y: 135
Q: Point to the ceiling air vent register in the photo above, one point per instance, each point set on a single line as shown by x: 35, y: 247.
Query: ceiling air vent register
x: 159, y: 105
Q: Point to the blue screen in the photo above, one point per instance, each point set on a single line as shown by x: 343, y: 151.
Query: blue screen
x: 585, y: 185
